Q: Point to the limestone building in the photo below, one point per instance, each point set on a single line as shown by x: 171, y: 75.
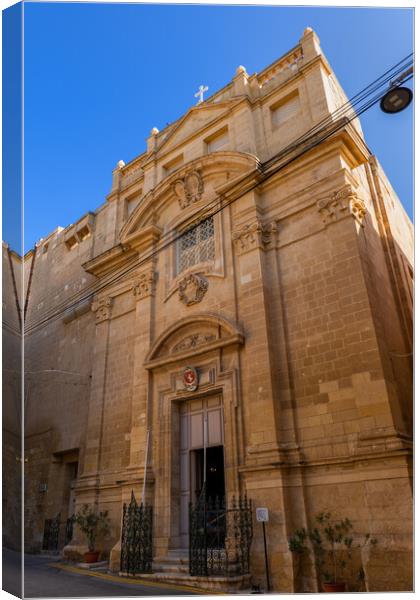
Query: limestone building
x: 223, y: 284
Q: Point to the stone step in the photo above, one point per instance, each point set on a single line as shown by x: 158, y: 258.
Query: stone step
x: 240, y: 583
x: 172, y: 559
x: 162, y: 567
x: 181, y: 553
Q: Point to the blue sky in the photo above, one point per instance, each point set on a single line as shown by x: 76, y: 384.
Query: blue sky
x: 98, y: 77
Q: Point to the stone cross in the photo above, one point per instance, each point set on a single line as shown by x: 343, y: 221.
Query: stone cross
x: 200, y: 93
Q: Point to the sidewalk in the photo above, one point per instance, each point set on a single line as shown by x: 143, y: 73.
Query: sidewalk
x: 132, y: 580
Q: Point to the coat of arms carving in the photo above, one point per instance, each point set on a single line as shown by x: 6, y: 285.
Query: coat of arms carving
x: 192, y: 288
x: 189, y: 189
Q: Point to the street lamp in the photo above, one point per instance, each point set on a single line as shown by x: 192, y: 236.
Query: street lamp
x: 397, y: 98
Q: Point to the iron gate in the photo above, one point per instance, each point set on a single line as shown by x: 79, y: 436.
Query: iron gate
x: 136, y: 538
x: 52, y: 530
x: 51, y: 533
x: 69, y: 529
x: 220, y: 536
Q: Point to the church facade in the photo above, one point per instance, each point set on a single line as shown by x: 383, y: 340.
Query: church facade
x: 240, y: 296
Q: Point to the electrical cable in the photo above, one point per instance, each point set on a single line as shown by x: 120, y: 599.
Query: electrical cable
x: 162, y: 247
x: 263, y: 167
x: 391, y: 73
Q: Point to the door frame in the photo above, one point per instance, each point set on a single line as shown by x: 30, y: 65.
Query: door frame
x: 194, y: 412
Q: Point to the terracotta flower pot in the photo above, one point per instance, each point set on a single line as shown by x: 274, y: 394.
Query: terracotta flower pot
x: 336, y: 587
x: 91, y: 557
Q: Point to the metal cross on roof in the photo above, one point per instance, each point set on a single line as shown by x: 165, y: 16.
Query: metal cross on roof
x: 200, y: 93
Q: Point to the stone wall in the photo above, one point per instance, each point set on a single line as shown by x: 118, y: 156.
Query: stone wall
x: 12, y: 398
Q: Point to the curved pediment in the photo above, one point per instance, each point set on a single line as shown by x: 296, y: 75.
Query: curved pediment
x: 192, y: 336
x: 189, y: 188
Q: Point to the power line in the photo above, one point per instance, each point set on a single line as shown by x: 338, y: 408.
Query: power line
x: 329, y: 128
x: 379, y: 82
x: 207, y: 215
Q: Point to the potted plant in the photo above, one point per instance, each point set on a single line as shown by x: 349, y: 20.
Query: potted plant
x: 92, y: 524
x: 299, y: 549
x: 333, y: 548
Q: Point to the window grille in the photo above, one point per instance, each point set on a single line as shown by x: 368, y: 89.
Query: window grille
x: 196, y: 245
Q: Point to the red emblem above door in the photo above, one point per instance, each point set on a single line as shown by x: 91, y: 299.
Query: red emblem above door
x: 190, y: 378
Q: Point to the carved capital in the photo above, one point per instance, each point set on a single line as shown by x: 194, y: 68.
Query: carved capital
x: 189, y: 189
x: 255, y: 235
x: 192, y: 289
x: 143, y: 286
x: 341, y: 203
x: 102, y: 307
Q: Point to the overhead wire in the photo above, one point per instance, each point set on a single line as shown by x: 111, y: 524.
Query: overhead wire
x: 331, y: 116
x: 262, y: 167
x: 123, y: 273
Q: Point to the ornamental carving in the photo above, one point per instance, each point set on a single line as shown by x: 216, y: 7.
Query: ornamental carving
x: 341, y: 203
x: 193, y: 341
x: 255, y: 235
x: 102, y: 308
x: 192, y: 289
x: 143, y: 285
x: 189, y: 189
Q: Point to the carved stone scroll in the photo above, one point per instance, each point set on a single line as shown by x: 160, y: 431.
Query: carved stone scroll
x: 102, y: 308
x: 341, y: 203
x: 189, y: 189
x: 192, y: 289
x: 143, y: 286
x: 192, y: 341
x: 255, y: 235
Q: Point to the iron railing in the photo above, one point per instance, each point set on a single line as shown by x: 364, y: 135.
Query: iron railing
x: 220, y: 537
x: 69, y: 529
x: 51, y: 534
x: 136, y: 538
x: 54, y: 536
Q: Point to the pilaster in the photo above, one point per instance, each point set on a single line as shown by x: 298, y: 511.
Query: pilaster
x: 102, y: 307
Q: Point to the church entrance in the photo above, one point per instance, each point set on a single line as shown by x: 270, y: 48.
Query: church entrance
x: 201, y: 456
x: 215, y: 472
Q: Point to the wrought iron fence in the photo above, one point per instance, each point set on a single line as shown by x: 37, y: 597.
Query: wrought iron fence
x: 54, y: 535
x: 136, y: 538
x: 51, y: 533
x: 220, y: 536
x: 69, y: 529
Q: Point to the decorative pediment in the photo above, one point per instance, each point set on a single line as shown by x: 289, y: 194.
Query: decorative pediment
x: 198, y: 181
x: 192, y: 336
x: 194, y: 120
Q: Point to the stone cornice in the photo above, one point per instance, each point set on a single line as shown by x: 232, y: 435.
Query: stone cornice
x: 109, y: 260
x: 206, y: 165
x: 332, y: 461
x: 143, y: 238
